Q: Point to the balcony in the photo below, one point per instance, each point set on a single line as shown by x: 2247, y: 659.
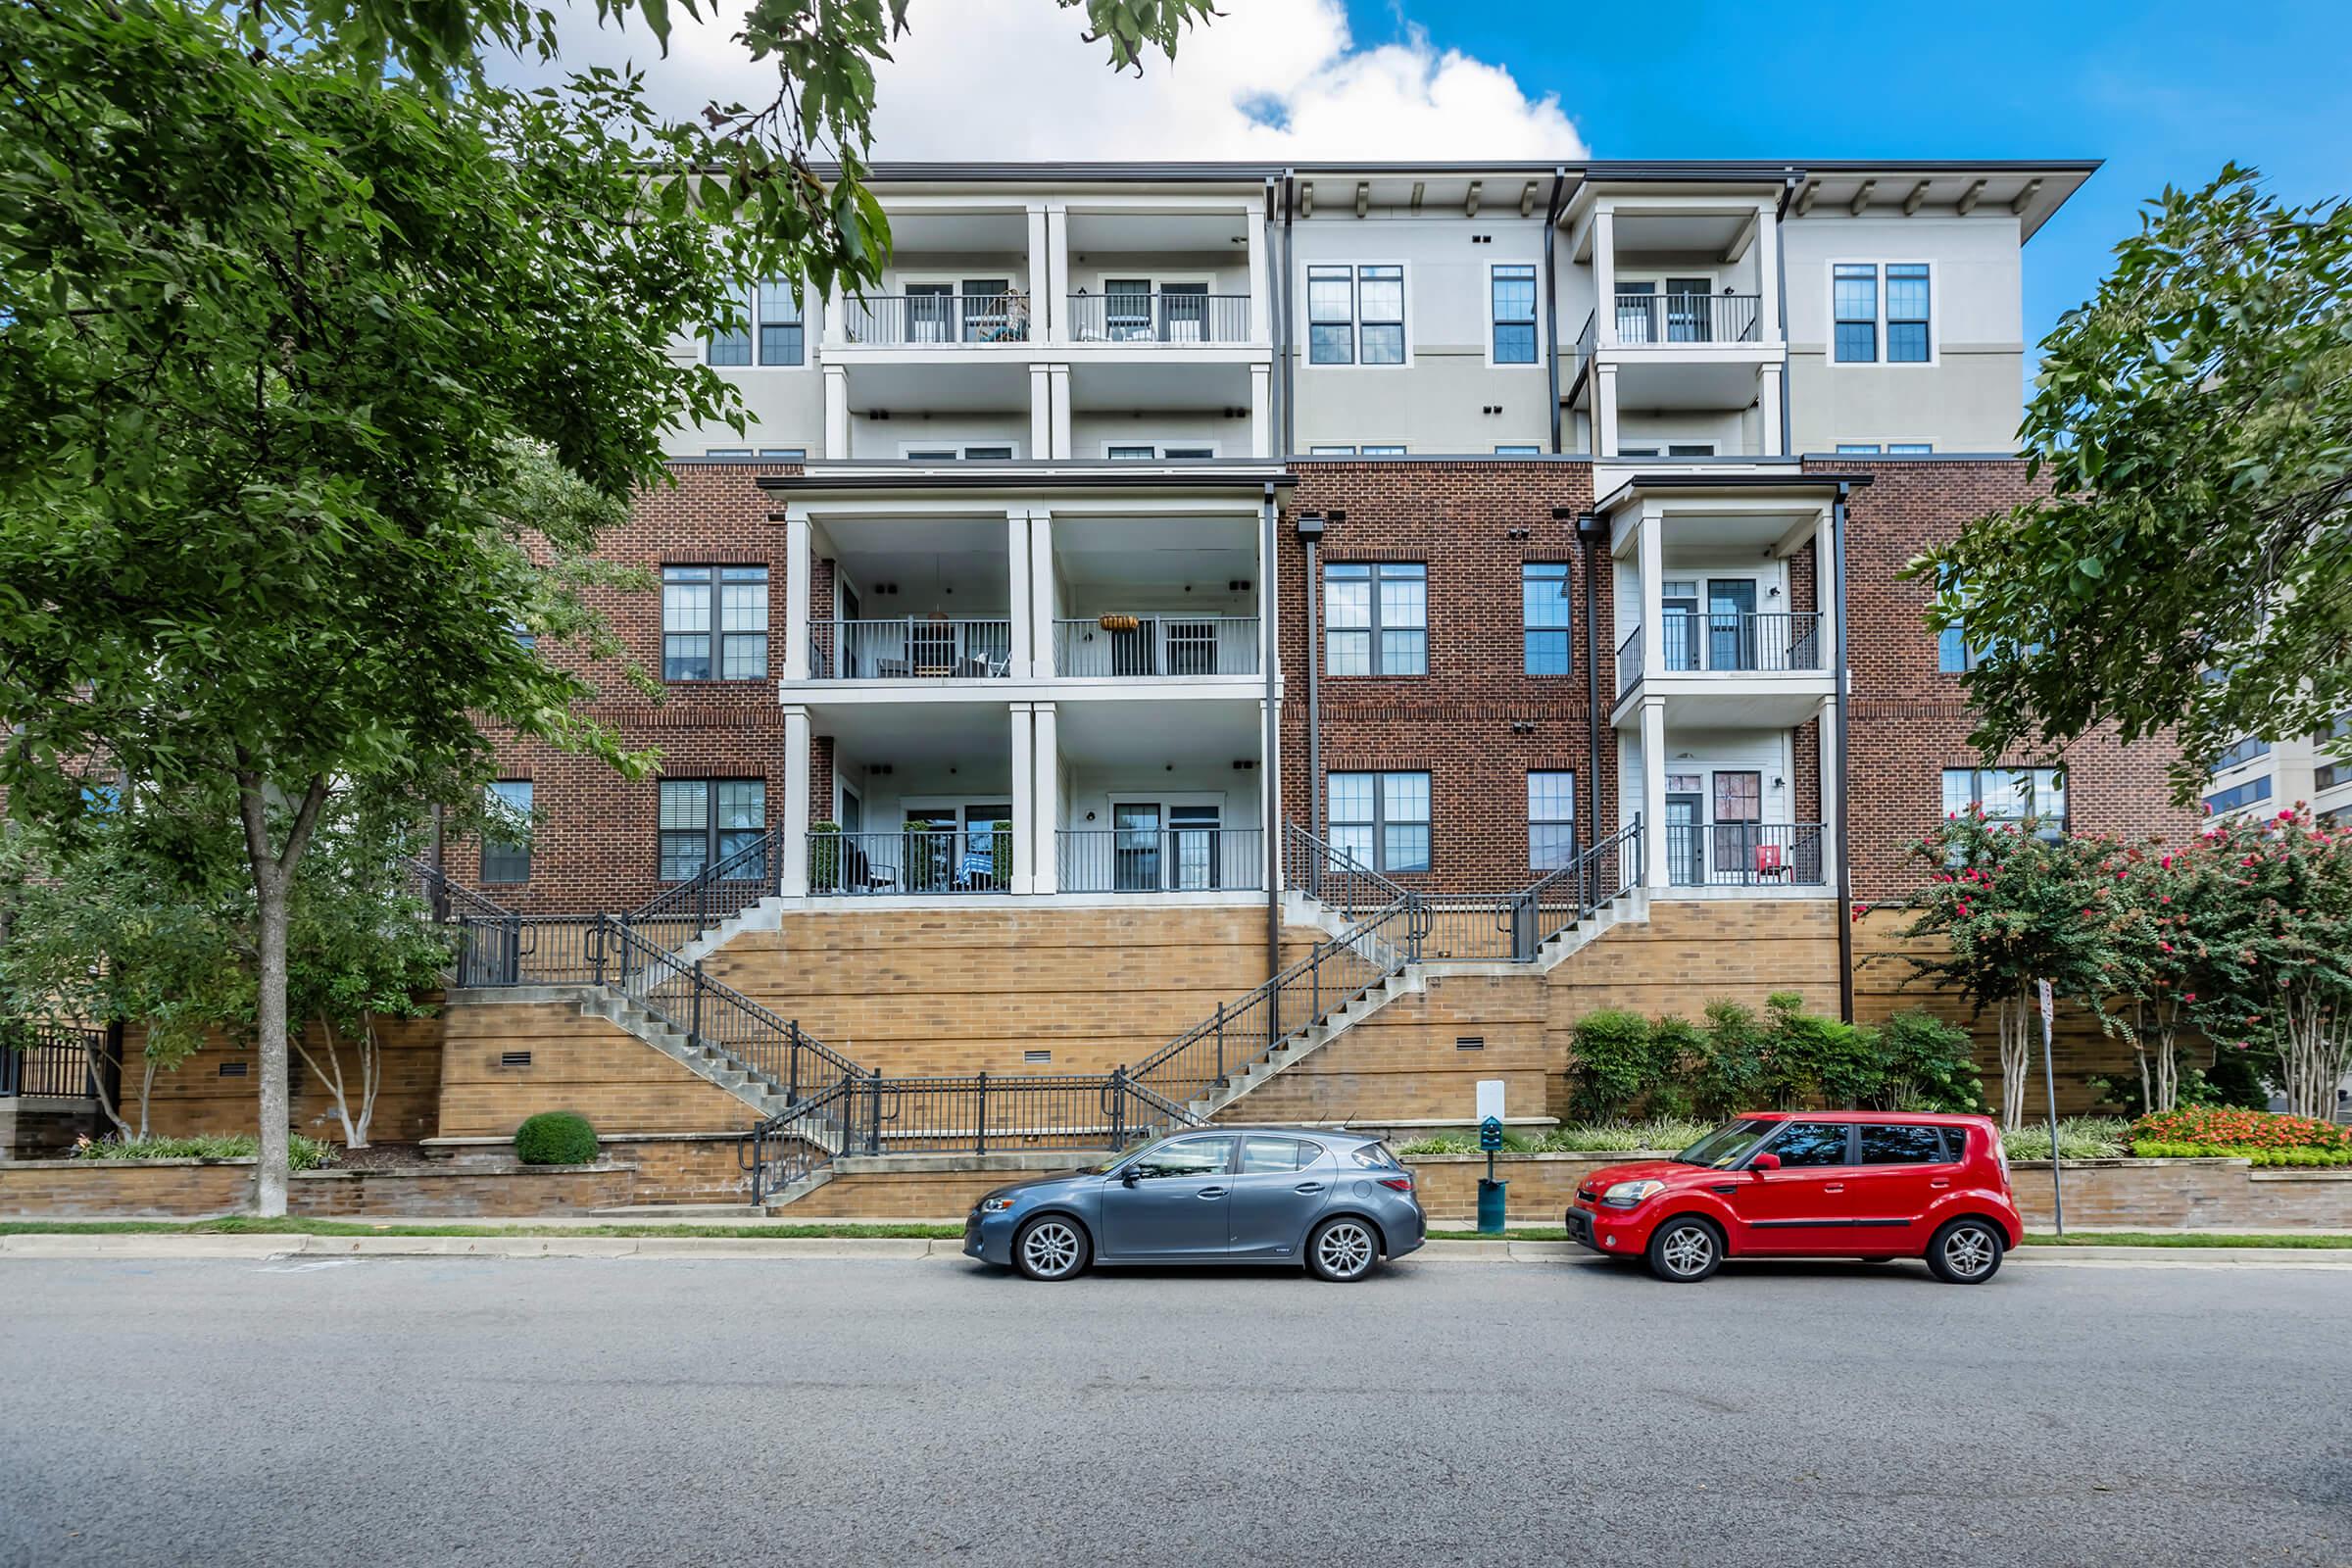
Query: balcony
x: 911, y: 647
x: 1199, y: 859
x: 1729, y: 641
x: 938, y: 319
x: 974, y: 859
x: 1746, y: 855
x: 1649, y: 318
x: 1132, y: 647
x: 1174, y: 317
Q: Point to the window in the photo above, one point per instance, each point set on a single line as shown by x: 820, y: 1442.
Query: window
x: 704, y: 820
x: 1331, y: 452
x: 2009, y: 795
x: 1376, y: 619
x: 1899, y: 1145
x: 2246, y: 794
x: 1854, y: 298
x: 1269, y: 1157
x: 1955, y: 654
x: 922, y: 454
x: 1518, y: 452
x: 728, y: 452
x: 786, y: 454
x: 1135, y: 454
x: 1382, y: 820
x: 1551, y: 820
x: 505, y: 858
x: 1909, y: 449
x: 1858, y: 449
x: 1381, y: 452
x: 1512, y: 291
x: 1674, y: 449
x: 2335, y: 767
x: 1355, y: 314
x: 713, y: 618
x: 1544, y: 617
x: 1805, y: 1144
x: 1185, y: 1156
x: 783, y: 339
x: 730, y: 346
x: 2242, y: 753
x: 1146, y: 452
x: 1907, y: 312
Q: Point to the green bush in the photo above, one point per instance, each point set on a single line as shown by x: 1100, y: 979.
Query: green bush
x: 2079, y: 1138
x: 1929, y: 1065
x: 1612, y: 1137
x: 1614, y: 1067
x: 2155, y: 1149
x: 1726, y: 1075
x: 302, y: 1154
x: 555, y: 1138
x: 824, y: 857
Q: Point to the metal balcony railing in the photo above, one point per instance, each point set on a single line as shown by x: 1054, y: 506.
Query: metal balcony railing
x: 1688, y: 317
x: 911, y: 860
x: 1148, y: 646
x: 914, y: 648
x: 921, y: 320
x: 1737, y: 640
x: 1167, y: 859
x: 1629, y: 662
x: 53, y: 1062
x: 1744, y: 854
x: 1118, y: 317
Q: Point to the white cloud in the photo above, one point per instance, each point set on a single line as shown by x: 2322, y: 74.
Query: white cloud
x: 1011, y: 79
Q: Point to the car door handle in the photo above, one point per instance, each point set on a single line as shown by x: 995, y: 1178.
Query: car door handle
x: 1727, y: 1187
x: 1212, y: 1192
x: 1309, y: 1187
x: 1833, y: 1187
x: 1940, y: 1184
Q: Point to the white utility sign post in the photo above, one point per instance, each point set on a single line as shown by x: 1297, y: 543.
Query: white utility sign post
x: 1490, y: 1138
x: 2049, y: 1084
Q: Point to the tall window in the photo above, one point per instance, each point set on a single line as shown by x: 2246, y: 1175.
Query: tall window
x: 1551, y: 820
x: 1382, y: 820
x: 1854, y: 292
x: 730, y: 346
x: 1376, y: 619
x: 1543, y: 614
x: 506, y: 843
x: 1355, y: 314
x: 2009, y: 795
x: 714, y: 623
x: 2250, y: 793
x: 1513, y: 291
x: 704, y: 820
x: 1907, y: 312
x: 2244, y: 750
x: 783, y: 338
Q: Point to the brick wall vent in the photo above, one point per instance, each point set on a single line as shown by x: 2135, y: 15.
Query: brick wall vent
x: 1470, y: 1042
x: 233, y: 1069
x: 514, y: 1058
x: 1036, y: 1058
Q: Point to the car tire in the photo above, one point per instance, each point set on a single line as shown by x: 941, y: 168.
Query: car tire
x: 1967, y: 1251
x: 1343, y: 1250
x: 1685, y: 1250
x: 1052, y: 1246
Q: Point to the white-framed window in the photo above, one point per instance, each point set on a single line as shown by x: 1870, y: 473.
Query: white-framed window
x: 1511, y: 306
x: 1331, y: 452
x: 1551, y: 819
x: 957, y: 452
x: 730, y: 347
x: 1881, y: 313
x: 1148, y: 450
x: 1355, y: 313
x: 1382, y: 820
x: 783, y: 336
x: 1858, y: 449
x: 1379, y: 451
x: 2251, y: 791
x: 1670, y: 448
x: 2009, y: 795
x: 728, y: 452
x: 507, y: 855
x: 1516, y: 450
x: 785, y: 454
x: 1909, y: 449
x: 1376, y: 618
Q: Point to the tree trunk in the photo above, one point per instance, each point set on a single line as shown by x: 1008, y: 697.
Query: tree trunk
x: 269, y: 1171
x: 2017, y: 1056
x: 95, y: 1058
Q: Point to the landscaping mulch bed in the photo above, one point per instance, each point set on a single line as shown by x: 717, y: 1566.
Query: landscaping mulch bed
x: 386, y: 1157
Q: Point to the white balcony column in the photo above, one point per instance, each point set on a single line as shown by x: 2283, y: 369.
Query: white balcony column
x: 1769, y: 327
x: 1045, y: 601
x: 1058, y: 379
x: 1043, y: 824
x: 1604, y: 282
x: 1825, y: 583
x: 1768, y: 410
x: 1653, y: 791
x: 1040, y: 412
x: 1042, y: 303
x: 1649, y: 547
x: 1261, y: 405
x: 1605, y: 410
x: 837, y: 412
x: 836, y: 321
x: 795, y: 884
x: 798, y: 556
x: 1057, y: 271
x: 1024, y: 801
x: 1262, y: 294
x: 1021, y: 605
x: 1269, y: 799
x: 1827, y: 716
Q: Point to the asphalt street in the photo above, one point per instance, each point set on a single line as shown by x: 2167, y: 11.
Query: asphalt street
x: 894, y: 1412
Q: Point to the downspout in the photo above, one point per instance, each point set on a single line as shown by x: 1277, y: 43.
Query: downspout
x: 1270, y: 750
x: 1588, y: 532
x: 1290, y: 426
x: 1551, y: 300
x: 1314, y: 684
x: 1780, y: 245
x: 1844, y: 840
x: 1278, y: 326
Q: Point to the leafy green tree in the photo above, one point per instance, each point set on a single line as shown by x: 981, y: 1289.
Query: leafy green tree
x: 2188, y: 571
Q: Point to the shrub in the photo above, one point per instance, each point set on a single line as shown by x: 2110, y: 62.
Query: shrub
x: 302, y: 1154
x: 2161, y: 1150
x: 824, y: 857
x: 1928, y: 1064
x: 2079, y: 1138
x: 1676, y: 1047
x: 555, y: 1138
x: 1613, y: 1137
x: 2230, y: 1128
x: 1728, y: 1068
x: 1614, y: 1067
x: 1812, y: 1060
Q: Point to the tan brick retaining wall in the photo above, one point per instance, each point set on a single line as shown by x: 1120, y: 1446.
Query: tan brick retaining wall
x: 578, y: 1063
x: 194, y: 1189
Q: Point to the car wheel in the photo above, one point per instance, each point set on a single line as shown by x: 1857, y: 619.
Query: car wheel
x: 1967, y: 1252
x: 1343, y: 1250
x: 1685, y: 1250
x: 1050, y: 1248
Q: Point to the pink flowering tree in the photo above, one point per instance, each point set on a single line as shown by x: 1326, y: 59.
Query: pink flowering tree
x: 2012, y: 907
x: 2160, y: 900
x: 2270, y: 930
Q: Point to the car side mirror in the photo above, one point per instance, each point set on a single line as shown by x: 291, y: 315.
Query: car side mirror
x: 1764, y: 1163
x: 1128, y: 1177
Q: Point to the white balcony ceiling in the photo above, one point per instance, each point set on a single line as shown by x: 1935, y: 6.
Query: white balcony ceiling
x: 984, y: 243
x: 1142, y: 741
x: 973, y: 736
x: 979, y: 378
x: 1095, y: 236
x: 1152, y: 378
x: 1155, y: 552
x: 1679, y: 378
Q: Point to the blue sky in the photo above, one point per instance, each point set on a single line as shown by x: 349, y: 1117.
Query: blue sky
x: 2162, y: 92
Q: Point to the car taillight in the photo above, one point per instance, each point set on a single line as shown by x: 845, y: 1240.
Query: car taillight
x: 1398, y: 1184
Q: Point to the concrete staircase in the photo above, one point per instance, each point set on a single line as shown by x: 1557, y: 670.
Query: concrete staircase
x: 711, y: 1063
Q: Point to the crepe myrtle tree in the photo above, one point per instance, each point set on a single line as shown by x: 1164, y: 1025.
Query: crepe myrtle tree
x: 2010, y: 907
x: 2187, y: 569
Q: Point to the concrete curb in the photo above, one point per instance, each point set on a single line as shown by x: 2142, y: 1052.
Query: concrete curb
x: 905, y: 1248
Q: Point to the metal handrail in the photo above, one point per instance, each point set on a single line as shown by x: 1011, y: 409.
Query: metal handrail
x: 939, y: 319
x: 1629, y: 662
x: 1728, y: 640
x: 1120, y: 316
x: 1203, y: 857
x: 1144, y: 645
x: 1684, y: 318
x: 1332, y: 875
x: 917, y: 648
x: 728, y: 886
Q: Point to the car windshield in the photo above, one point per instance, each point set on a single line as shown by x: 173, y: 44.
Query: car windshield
x: 1727, y: 1144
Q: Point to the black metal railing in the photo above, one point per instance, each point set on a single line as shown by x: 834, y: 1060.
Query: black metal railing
x: 1158, y: 860
x: 726, y: 887
x: 50, y: 1061
x: 1123, y: 317
x: 1333, y: 876
x: 1744, y: 854
x: 916, y: 648
x: 1739, y: 640
x: 1688, y: 317
x: 1629, y: 662
x: 1143, y: 646
x: 925, y: 319
x: 911, y: 860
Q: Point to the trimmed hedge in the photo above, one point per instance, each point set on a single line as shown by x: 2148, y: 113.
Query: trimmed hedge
x: 2149, y: 1149
x: 555, y: 1138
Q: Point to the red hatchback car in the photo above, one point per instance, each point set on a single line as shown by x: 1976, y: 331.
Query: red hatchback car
x: 1812, y: 1184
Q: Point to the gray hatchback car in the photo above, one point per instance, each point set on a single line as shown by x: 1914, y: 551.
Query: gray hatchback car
x: 1334, y: 1201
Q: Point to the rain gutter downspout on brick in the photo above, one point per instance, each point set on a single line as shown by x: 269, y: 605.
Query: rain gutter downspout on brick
x: 1845, y: 864
x: 1588, y: 532
x: 1269, y: 760
x: 1552, y: 300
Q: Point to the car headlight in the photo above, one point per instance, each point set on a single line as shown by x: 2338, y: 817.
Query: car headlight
x: 995, y: 1206
x: 1626, y: 1194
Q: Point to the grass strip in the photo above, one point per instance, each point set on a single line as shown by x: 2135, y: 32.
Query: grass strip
x: 237, y: 1225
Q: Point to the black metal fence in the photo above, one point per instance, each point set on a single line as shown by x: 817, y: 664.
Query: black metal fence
x: 1744, y: 854
x: 1140, y: 647
x: 52, y: 1063
x: 1162, y: 859
x: 911, y: 860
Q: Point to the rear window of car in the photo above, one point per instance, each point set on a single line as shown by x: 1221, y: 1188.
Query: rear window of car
x: 1894, y: 1145
x: 1375, y: 1156
x: 1262, y: 1155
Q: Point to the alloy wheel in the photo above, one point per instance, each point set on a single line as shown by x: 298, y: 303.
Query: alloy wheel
x: 1967, y: 1251
x: 1690, y: 1250
x: 1050, y: 1249
x: 1344, y: 1249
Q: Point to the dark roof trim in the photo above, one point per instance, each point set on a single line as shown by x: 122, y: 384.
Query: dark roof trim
x: 1589, y: 170
x: 1792, y: 479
